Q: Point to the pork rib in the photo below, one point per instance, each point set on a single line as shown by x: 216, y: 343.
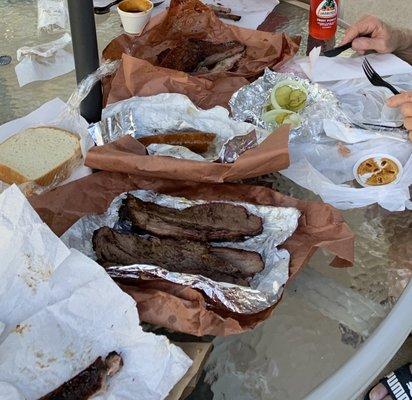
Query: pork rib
x: 205, y: 222
x: 89, y: 382
x: 113, y: 248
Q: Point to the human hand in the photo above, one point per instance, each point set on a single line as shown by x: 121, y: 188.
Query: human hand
x: 383, y: 39
x: 404, y: 102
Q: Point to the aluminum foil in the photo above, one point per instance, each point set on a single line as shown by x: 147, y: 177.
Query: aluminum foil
x: 248, y: 102
x: 266, y: 287
x: 171, y: 112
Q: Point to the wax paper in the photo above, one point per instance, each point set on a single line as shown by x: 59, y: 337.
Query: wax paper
x: 139, y: 75
x: 324, y: 69
x: 61, y: 311
x: 326, y: 167
x: 253, y: 13
x: 52, y: 15
x: 182, y: 308
x: 45, y: 61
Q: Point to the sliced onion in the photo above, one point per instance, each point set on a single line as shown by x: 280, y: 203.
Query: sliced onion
x: 282, y: 117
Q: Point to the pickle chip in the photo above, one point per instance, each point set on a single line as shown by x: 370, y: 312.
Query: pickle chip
x: 289, y: 95
x: 297, y: 100
x: 282, y: 95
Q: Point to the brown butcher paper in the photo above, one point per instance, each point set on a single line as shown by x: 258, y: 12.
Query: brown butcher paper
x: 140, y: 75
x: 181, y: 308
x: 129, y: 156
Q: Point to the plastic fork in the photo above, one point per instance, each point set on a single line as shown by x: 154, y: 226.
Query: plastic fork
x: 105, y: 9
x: 375, y: 78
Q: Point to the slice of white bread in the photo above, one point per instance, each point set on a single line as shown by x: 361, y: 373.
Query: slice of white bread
x: 43, y: 155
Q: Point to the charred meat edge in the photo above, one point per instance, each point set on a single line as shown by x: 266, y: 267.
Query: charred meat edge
x: 204, y: 222
x: 195, y: 55
x: 220, y: 264
x: 89, y: 382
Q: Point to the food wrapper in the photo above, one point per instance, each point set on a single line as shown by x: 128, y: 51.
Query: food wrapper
x: 54, y: 113
x: 52, y: 16
x: 365, y: 105
x: 247, y: 104
x: 45, y: 61
x: 179, y: 307
x: 139, y: 117
x: 61, y: 311
x: 266, y: 287
x: 129, y: 156
x: 138, y: 74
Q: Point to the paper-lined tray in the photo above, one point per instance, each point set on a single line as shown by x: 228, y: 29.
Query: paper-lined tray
x: 180, y: 308
x: 140, y: 75
x: 257, y: 153
x: 266, y: 287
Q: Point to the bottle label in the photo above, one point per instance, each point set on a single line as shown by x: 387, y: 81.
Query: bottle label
x: 327, y: 9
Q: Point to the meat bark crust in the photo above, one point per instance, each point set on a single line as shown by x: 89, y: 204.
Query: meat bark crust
x: 220, y: 264
x: 205, y: 222
x: 89, y: 382
x: 194, y: 55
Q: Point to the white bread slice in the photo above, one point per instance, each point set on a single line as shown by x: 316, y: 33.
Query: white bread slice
x: 43, y: 155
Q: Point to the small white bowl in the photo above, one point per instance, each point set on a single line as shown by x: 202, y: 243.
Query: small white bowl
x: 377, y: 157
x: 134, y: 22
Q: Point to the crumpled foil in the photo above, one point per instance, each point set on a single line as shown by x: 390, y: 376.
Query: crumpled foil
x: 248, y: 102
x: 266, y: 287
x: 172, y: 112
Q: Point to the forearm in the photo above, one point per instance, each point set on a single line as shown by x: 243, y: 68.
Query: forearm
x: 404, y: 49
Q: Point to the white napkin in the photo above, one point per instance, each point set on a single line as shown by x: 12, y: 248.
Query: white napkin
x: 325, y: 69
x: 62, y: 311
x: 340, y: 132
x: 45, y: 61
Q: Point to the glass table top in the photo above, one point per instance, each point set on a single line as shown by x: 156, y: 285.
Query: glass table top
x: 325, y: 314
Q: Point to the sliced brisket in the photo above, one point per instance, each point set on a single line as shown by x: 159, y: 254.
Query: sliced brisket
x: 220, y: 264
x: 205, y: 222
x: 89, y: 382
x: 194, y: 55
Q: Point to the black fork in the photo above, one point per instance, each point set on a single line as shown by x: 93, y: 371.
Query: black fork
x: 375, y: 78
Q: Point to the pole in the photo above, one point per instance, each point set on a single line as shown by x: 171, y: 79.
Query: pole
x: 86, y: 54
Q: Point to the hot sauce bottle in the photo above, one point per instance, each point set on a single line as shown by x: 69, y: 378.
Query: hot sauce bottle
x: 323, y: 22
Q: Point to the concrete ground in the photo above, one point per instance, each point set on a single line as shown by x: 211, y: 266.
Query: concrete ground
x: 395, y: 12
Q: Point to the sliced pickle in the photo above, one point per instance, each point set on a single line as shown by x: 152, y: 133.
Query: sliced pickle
x: 282, y: 95
x: 289, y: 95
x: 297, y: 100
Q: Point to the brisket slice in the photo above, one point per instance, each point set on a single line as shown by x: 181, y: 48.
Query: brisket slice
x: 113, y: 248
x: 205, y: 222
x: 89, y: 382
x: 194, y: 54
x: 181, y: 58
